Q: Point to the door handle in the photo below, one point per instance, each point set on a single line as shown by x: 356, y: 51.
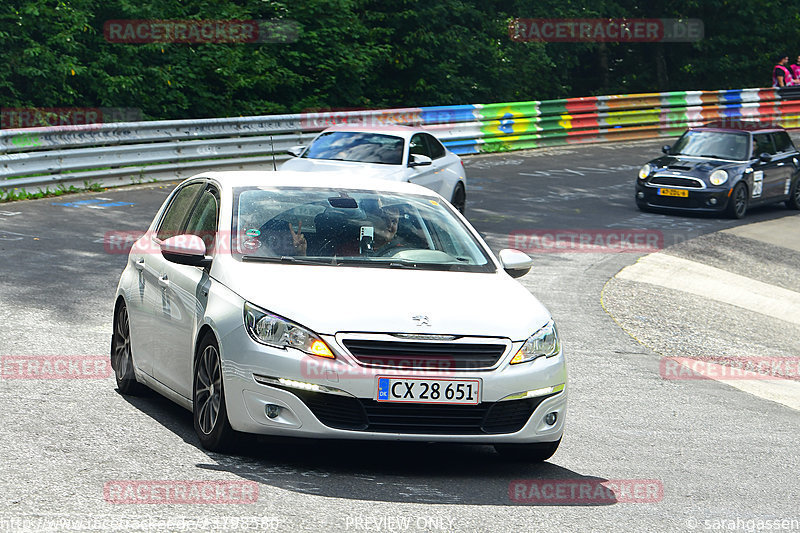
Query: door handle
x: 139, y: 264
x: 163, y: 280
x: 781, y: 164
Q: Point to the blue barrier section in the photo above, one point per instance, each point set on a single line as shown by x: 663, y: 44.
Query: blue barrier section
x: 447, y: 114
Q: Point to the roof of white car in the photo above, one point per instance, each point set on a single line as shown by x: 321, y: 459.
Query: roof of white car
x: 293, y: 178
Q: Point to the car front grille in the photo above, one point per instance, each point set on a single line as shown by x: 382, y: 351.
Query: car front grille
x: 690, y: 183
x: 424, y: 355
x: 358, y: 414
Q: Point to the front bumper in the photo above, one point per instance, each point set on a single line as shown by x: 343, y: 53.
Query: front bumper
x: 710, y: 200
x: 346, y: 407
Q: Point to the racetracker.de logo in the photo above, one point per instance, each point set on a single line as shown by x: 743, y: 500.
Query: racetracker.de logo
x: 317, y: 119
x: 180, y: 492
x: 412, y: 366
x: 736, y: 368
x: 54, y: 367
x: 605, y: 30
x: 46, y: 117
x: 200, y: 31
x: 585, y: 491
x: 586, y: 241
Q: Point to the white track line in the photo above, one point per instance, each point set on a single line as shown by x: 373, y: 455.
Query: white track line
x: 716, y: 284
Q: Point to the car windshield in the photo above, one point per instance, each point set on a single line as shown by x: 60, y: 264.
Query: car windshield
x: 718, y: 144
x: 352, y: 227
x: 357, y: 146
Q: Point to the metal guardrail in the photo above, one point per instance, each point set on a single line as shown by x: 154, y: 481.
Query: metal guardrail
x: 123, y: 153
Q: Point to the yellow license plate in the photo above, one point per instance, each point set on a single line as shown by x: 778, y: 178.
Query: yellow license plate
x: 674, y: 192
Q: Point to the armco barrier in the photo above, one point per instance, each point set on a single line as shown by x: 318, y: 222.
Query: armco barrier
x: 122, y: 153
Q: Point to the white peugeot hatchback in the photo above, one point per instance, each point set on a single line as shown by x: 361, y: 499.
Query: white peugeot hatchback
x: 310, y: 305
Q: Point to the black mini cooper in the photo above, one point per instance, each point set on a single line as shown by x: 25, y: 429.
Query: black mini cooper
x: 723, y: 168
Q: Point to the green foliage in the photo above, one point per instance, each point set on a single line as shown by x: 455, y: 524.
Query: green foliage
x: 371, y: 54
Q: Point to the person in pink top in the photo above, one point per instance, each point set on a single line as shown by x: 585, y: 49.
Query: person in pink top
x: 781, y: 77
x: 795, y: 68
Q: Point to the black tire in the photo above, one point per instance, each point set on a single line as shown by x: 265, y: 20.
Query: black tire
x: 737, y: 203
x: 121, y: 355
x: 459, y: 200
x: 208, y: 394
x: 794, y: 198
x: 536, y: 452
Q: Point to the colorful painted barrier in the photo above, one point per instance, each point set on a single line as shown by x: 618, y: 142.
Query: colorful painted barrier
x: 114, y: 153
x: 475, y: 128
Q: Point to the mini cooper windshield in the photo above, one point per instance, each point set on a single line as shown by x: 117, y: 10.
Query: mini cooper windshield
x: 354, y: 228
x: 716, y: 144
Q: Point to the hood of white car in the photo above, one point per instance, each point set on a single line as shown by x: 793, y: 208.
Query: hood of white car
x: 352, y: 167
x: 333, y: 299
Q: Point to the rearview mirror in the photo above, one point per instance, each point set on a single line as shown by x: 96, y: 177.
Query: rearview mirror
x: 296, y: 151
x: 419, y: 160
x: 765, y: 157
x: 515, y: 263
x: 185, y: 250
x: 666, y: 149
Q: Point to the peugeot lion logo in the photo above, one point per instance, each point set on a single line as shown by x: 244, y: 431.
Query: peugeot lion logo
x: 421, y: 320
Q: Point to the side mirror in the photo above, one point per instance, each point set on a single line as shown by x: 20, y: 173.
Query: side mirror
x: 419, y: 160
x: 765, y: 157
x: 666, y: 149
x: 185, y: 250
x: 296, y: 151
x: 515, y: 263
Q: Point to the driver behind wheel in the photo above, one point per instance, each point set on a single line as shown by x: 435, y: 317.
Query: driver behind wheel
x: 386, y: 227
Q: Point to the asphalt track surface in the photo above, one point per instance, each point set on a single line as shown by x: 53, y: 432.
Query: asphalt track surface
x: 724, y: 458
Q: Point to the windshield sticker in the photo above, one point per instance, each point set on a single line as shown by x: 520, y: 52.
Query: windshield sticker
x: 251, y: 245
x: 252, y: 233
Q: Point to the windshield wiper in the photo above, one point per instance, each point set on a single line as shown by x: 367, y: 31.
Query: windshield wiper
x: 393, y: 263
x: 288, y: 259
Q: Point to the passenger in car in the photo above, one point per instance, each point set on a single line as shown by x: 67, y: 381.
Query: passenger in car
x: 281, y: 239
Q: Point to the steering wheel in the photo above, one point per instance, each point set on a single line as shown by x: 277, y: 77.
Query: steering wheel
x: 388, y: 249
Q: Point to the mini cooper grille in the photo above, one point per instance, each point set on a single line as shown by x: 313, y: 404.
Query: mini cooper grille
x: 425, y: 355
x: 679, y: 182
x: 358, y: 414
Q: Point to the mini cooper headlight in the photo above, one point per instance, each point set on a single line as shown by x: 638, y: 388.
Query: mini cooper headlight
x: 542, y: 343
x: 645, y: 171
x: 272, y: 330
x: 718, y: 177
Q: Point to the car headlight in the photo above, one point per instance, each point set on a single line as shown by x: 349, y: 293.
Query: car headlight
x: 272, y: 330
x: 718, y: 177
x: 542, y: 343
x: 645, y: 171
